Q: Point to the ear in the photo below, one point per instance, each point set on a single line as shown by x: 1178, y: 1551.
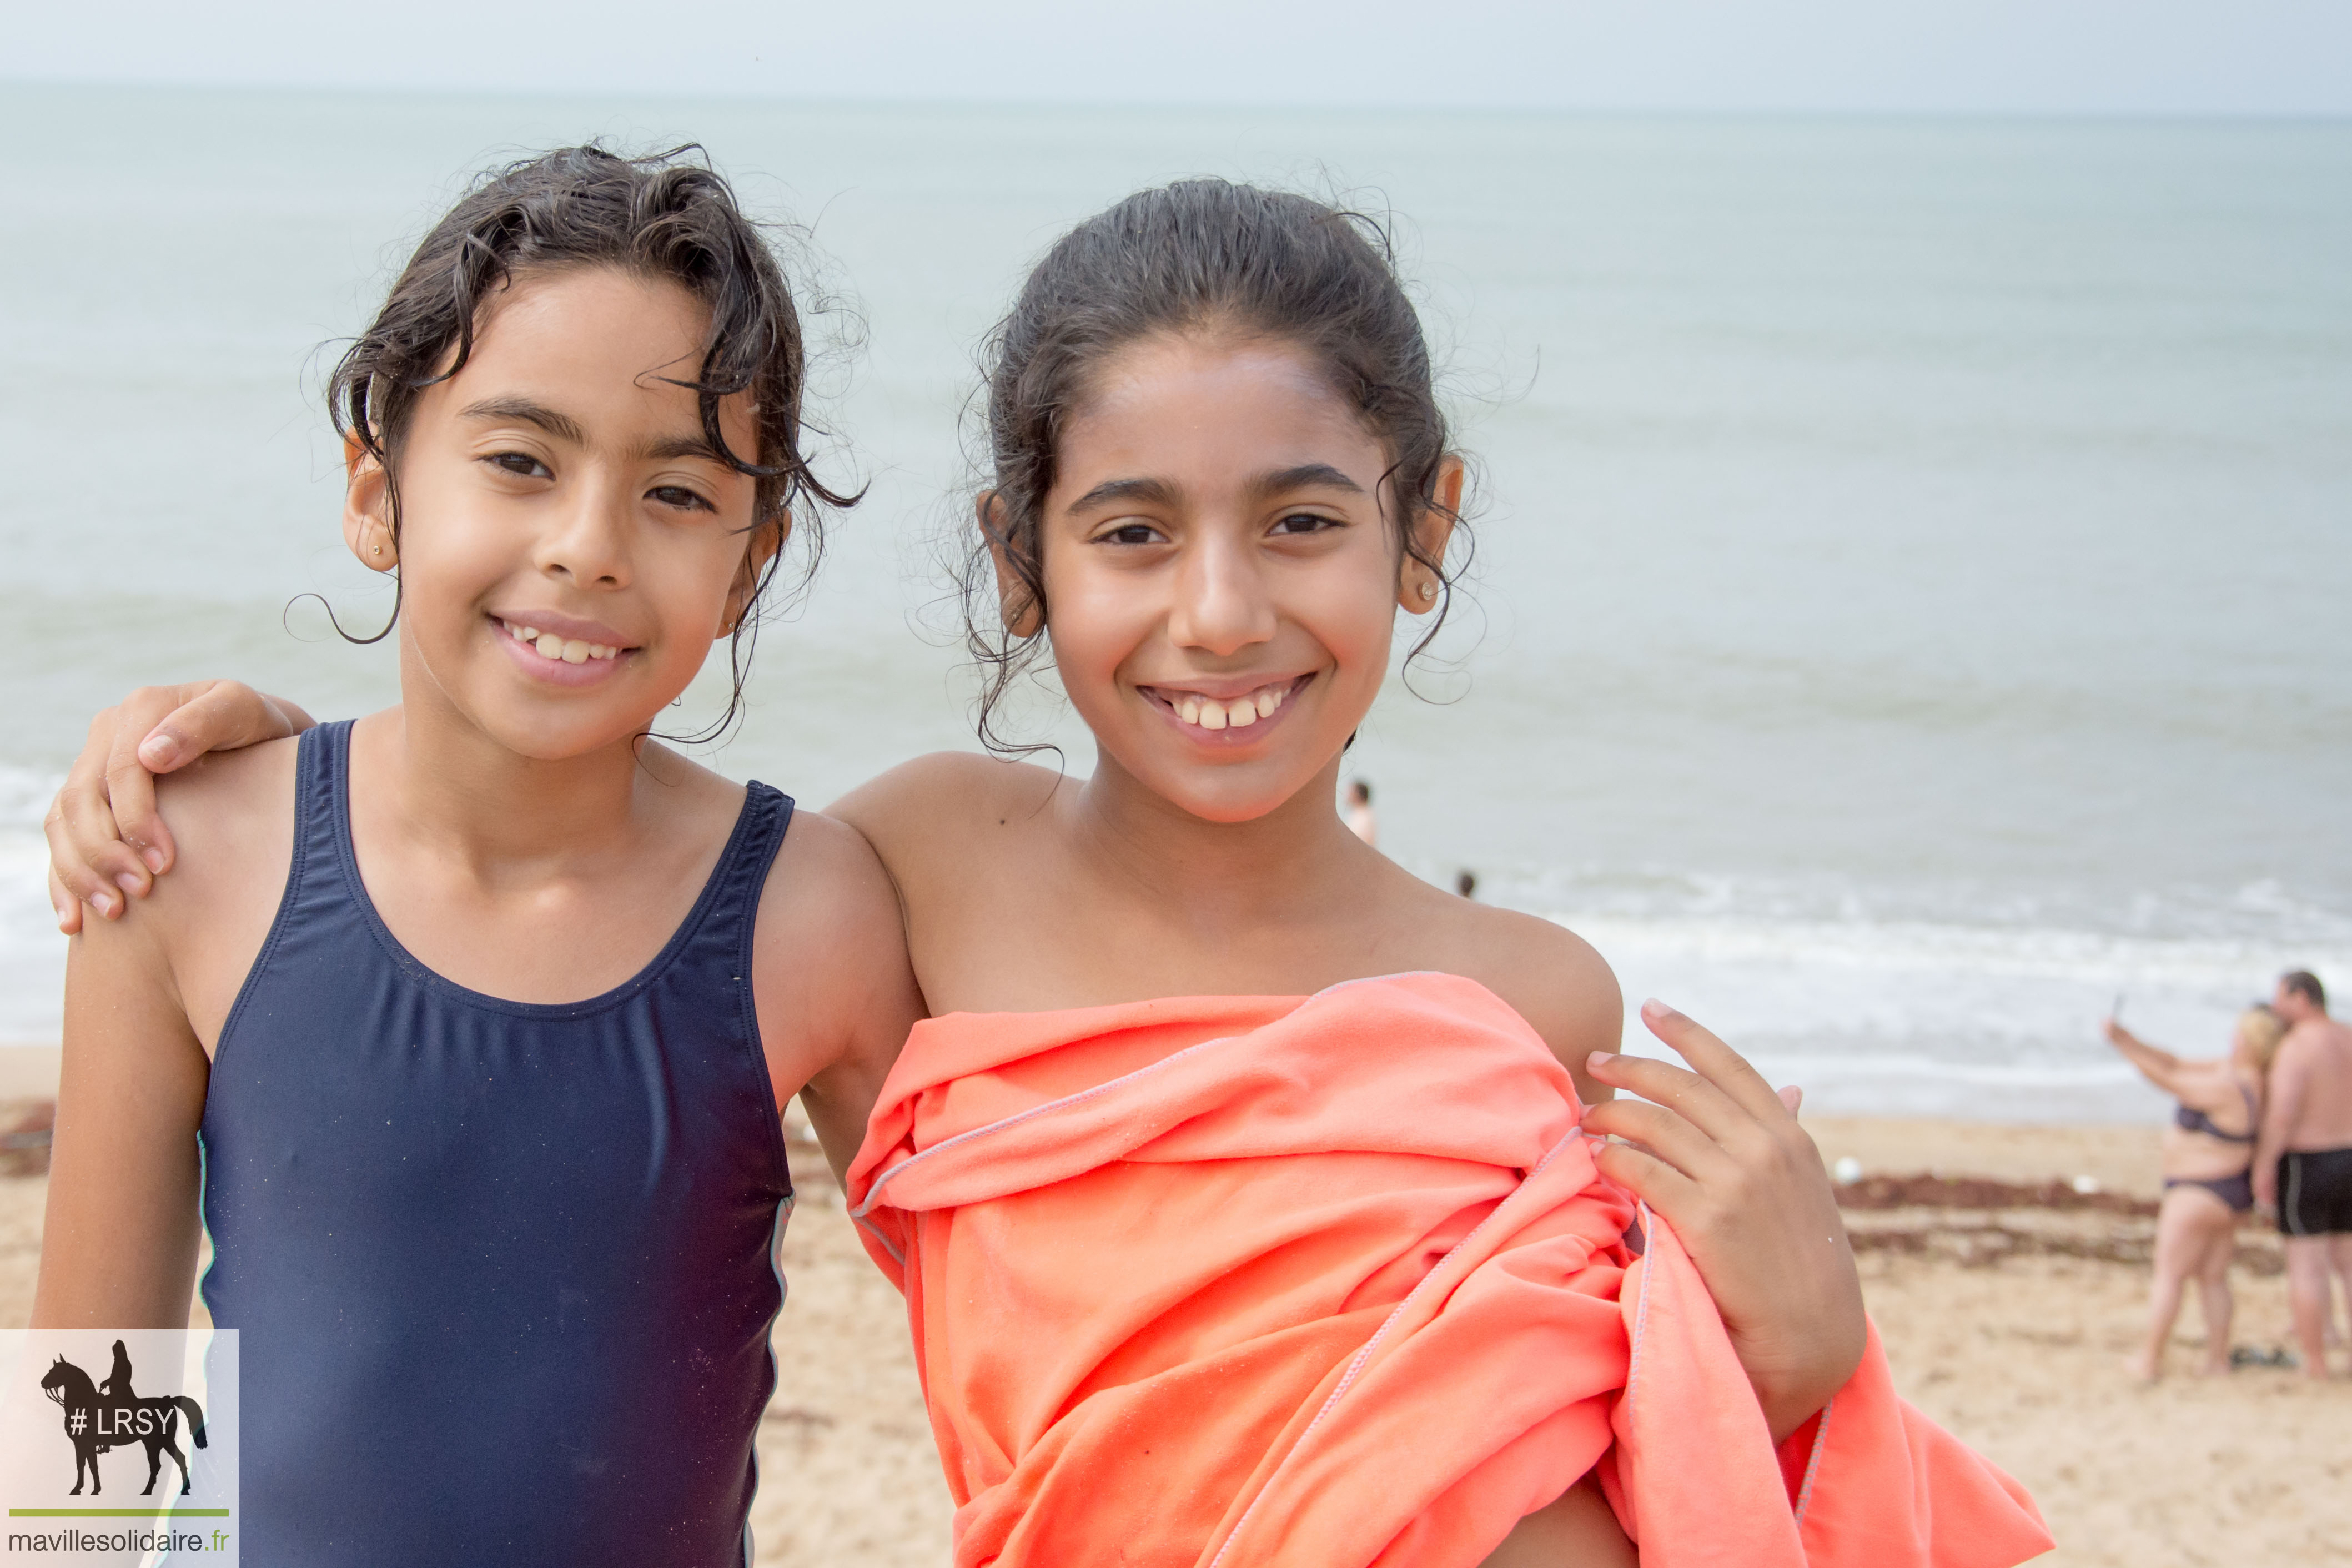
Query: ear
x: 367, y: 509
x: 1418, y: 587
x: 766, y: 542
x: 1022, y: 616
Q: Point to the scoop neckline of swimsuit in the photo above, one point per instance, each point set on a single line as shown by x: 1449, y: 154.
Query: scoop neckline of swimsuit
x: 348, y: 863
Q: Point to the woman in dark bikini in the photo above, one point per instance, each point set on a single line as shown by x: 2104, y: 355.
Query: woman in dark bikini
x: 2209, y: 1154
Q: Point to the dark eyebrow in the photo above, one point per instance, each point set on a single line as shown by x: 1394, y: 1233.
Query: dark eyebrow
x: 1305, y: 476
x: 1156, y: 492
x: 562, y: 427
x: 664, y: 448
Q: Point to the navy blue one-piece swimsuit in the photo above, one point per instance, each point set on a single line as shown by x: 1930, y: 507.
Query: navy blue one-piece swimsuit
x: 503, y: 1272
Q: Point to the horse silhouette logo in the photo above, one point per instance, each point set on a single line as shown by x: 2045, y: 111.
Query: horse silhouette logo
x: 111, y: 1415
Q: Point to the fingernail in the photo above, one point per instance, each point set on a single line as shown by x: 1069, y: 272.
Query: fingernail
x: 157, y: 750
x: 1600, y: 1059
x: 105, y: 904
x: 1654, y: 1008
x: 153, y: 858
x: 128, y: 883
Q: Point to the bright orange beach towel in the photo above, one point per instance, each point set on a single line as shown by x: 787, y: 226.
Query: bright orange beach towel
x: 1333, y: 1282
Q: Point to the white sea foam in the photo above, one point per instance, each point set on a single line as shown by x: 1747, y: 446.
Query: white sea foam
x: 1946, y: 1019
x: 32, y: 953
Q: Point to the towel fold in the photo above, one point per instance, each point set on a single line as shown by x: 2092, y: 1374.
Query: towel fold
x: 1206, y: 1282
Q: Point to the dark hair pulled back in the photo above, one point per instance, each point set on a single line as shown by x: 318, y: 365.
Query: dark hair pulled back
x: 667, y: 215
x: 1196, y: 255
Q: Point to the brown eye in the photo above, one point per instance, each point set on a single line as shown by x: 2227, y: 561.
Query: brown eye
x: 1133, y: 533
x: 1305, y: 522
x: 679, y: 497
x: 523, y: 464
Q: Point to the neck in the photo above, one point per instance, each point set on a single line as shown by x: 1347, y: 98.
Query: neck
x: 481, y: 804
x: 1285, y: 867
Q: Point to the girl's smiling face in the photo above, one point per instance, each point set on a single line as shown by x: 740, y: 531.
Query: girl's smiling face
x: 570, y: 541
x: 1223, y: 569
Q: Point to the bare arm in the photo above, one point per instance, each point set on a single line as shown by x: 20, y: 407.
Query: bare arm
x: 2159, y: 1065
x: 2290, y: 1079
x: 835, y: 994
x: 108, y: 843
x: 119, y: 1250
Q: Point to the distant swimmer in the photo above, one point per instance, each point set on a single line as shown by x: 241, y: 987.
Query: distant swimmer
x: 1358, y: 813
x: 1466, y: 884
x: 2302, y: 1161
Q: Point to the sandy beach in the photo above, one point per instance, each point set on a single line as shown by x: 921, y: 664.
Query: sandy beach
x: 2007, y: 1324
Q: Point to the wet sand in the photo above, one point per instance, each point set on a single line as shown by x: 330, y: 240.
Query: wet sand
x: 2008, y: 1325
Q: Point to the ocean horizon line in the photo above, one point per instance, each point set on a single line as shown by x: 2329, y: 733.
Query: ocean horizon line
x: 608, y: 97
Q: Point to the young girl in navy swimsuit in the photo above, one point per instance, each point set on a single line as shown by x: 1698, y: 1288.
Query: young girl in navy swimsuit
x: 465, y: 1026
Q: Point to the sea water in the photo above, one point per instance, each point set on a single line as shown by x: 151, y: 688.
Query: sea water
x: 1910, y: 606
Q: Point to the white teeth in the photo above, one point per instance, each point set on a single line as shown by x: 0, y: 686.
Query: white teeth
x: 1237, y: 713
x: 570, y: 650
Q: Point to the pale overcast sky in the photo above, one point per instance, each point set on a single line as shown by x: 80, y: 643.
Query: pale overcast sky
x: 2065, y: 56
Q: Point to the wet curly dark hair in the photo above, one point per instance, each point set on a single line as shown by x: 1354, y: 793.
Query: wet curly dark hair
x: 667, y: 215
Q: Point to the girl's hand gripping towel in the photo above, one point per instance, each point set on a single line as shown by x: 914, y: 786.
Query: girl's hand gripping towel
x: 1221, y: 1282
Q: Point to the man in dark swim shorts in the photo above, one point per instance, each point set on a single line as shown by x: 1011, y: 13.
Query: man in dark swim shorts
x: 2302, y: 1161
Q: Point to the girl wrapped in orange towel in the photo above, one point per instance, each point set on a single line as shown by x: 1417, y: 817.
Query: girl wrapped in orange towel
x: 1255, y: 1203
x: 1240, y: 1184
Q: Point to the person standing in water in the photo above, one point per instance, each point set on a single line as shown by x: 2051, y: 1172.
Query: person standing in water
x: 2207, y: 1183
x: 2303, y: 1159
x: 1358, y: 813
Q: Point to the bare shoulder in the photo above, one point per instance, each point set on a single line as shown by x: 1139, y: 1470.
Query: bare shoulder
x: 828, y: 888
x: 233, y: 815
x: 203, y: 925
x: 1552, y: 977
x: 2210, y: 1083
x: 2313, y: 1053
x: 942, y: 797
x: 2298, y: 1049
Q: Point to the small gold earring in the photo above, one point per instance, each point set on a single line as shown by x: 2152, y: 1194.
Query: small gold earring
x: 375, y: 550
